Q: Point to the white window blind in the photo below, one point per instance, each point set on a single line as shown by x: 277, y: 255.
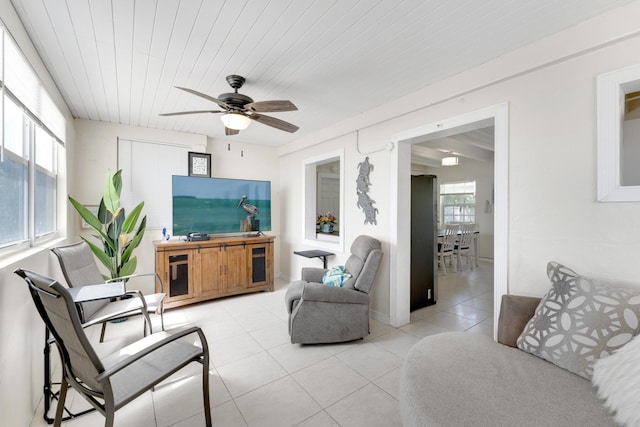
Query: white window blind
x: 23, y: 85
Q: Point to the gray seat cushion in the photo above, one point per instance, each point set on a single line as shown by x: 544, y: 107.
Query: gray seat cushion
x: 465, y: 379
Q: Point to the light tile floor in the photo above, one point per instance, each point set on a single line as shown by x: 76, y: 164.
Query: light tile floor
x: 258, y: 378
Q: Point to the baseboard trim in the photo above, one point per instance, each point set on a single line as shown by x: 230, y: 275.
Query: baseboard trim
x: 381, y: 317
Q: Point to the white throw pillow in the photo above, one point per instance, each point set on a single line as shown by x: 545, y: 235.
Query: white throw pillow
x: 617, y: 378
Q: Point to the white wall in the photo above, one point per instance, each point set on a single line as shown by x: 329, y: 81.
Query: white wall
x: 97, y: 148
x: 351, y: 225
x: 553, y: 215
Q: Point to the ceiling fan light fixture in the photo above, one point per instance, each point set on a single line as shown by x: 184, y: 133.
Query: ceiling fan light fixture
x: 450, y: 161
x: 235, y: 121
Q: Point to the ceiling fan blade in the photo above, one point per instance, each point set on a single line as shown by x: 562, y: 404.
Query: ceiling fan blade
x: 273, y: 122
x: 202, y: 95
x: 190, y: 112
x: 228, y: 131
x: 271, y: 106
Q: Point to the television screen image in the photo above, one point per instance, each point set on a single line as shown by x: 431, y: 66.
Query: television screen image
x: 211, y: 205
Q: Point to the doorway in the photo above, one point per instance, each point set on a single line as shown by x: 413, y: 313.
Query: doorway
x: 401, y: 166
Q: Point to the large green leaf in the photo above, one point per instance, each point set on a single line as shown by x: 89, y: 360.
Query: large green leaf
x: 99, y: 253
x: 113, y: 241
x: 109, y: 244
x: 132, y: 218
x: 100, y: 236
x: 137, y: 238
x: 129, y: 267
x: 110, y: 195
x: 109, y: 248
x: 104, y: 215
x: 117, y: 181
x: 119, y: 220
x: 86, y: 214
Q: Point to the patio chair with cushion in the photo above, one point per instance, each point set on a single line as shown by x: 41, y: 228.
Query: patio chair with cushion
x: 109, y: 383
x: 79, y: 268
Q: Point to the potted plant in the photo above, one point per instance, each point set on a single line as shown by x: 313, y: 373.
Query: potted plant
x: 115, y: 230
x: 326, y: 222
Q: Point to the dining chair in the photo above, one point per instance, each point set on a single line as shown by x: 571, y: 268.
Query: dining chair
x: 109, y: 383
x: 463, y: 245
x: 79, y: 269
x: 445, y: 247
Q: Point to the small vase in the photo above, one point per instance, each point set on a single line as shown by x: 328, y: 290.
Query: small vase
x: 326, y: 228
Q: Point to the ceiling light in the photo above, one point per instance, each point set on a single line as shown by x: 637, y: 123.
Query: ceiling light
x: 235, y: 121
x: 450, y: 161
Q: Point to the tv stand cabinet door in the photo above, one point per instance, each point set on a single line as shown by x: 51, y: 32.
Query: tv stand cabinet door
x: 177, y: 273
x: 211, y: 272
x: 260, y: 265
x: 235, y: 270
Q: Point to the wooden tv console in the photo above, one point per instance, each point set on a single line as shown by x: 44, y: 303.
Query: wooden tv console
x: 198, y: 271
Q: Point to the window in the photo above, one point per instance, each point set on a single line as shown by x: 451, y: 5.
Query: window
x: 45, y: 182
x: 28, y: 151
x: 618, y: 132
x: 458, y: 202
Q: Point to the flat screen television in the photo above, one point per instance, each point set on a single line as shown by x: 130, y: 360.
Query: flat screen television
x: 210, y: 205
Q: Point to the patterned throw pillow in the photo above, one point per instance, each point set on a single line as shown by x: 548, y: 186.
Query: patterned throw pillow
x: 335, y: 276
x: 579, y: 321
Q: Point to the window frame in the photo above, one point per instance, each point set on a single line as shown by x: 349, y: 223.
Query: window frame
x: 33, y: 123
x: 611, y: 88
x: 465, y: 217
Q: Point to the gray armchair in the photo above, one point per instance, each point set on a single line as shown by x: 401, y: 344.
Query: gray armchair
x: 320, y: 313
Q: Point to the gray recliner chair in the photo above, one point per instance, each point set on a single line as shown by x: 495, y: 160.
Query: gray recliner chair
x: 320, y: 313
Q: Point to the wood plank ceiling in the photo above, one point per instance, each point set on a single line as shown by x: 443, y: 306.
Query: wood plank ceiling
x: 119, y: 60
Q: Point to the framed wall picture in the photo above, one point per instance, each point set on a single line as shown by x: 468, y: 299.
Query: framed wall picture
x: 199, y: 164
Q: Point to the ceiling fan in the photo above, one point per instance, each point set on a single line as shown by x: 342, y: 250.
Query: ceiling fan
x: 239, y: 110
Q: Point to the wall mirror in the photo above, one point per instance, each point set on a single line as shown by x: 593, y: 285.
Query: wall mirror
x: 618, y: 114
x: 328, y: 192
x: 323, y: 191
